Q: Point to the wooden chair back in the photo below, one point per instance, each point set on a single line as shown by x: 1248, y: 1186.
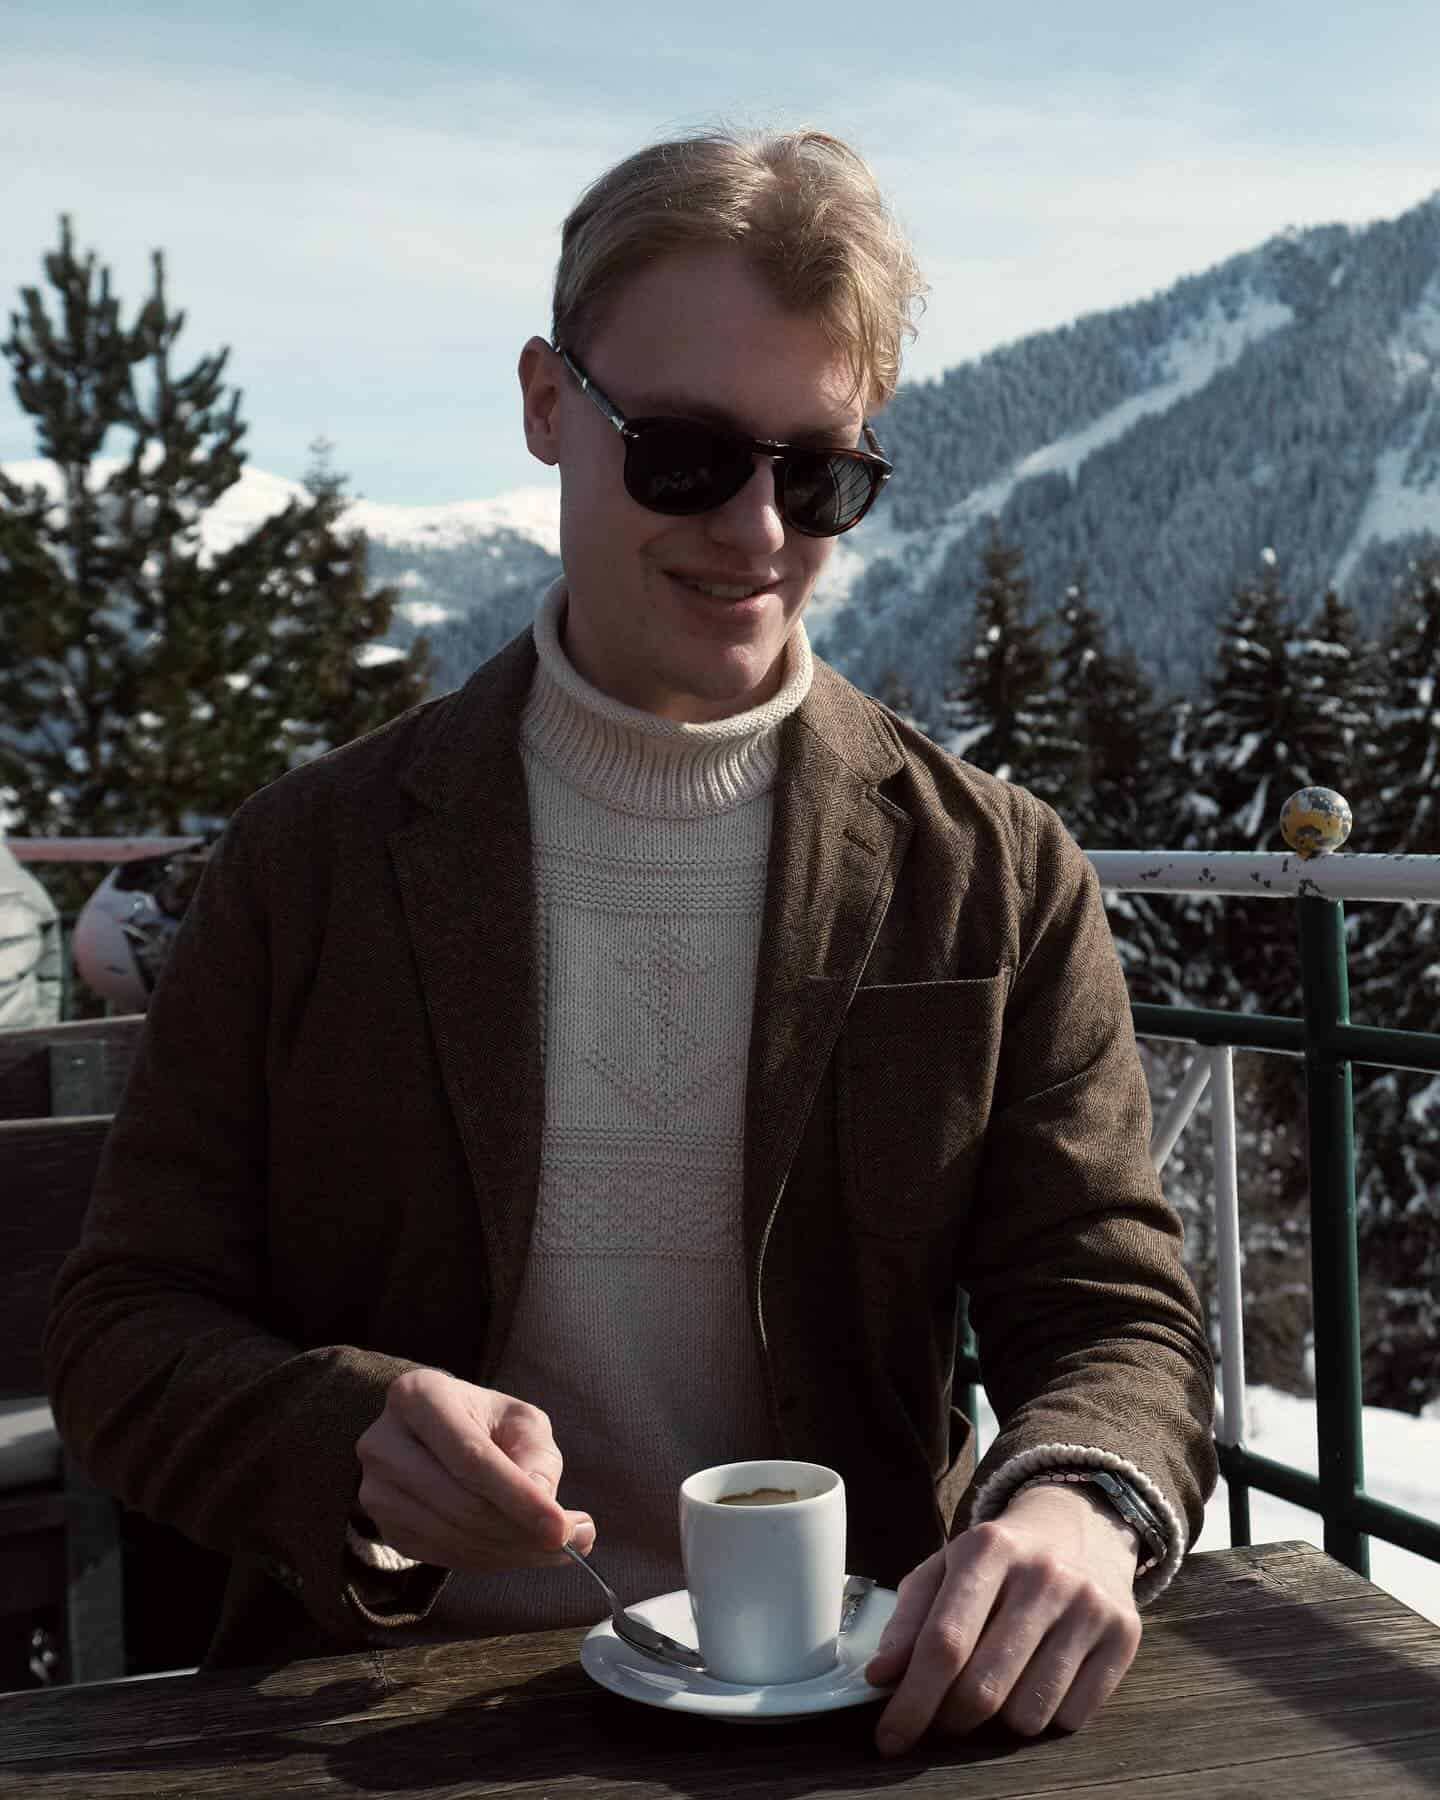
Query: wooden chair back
x: 47, y: 1169
x: 79, y: 1067
x: 59, y: 1543
x: 69, y: 1544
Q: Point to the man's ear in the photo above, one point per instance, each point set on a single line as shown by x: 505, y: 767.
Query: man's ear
x: 541, y: 372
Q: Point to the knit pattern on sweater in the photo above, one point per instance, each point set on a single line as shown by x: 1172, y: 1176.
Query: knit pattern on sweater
x: 633, y: 1330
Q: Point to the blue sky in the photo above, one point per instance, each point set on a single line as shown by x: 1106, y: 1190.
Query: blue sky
x: 364, y: 202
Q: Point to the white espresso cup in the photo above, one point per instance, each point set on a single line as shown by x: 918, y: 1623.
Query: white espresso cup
x: 766, y: 1573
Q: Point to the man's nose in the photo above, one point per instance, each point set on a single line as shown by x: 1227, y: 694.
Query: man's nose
x: 752, y: 516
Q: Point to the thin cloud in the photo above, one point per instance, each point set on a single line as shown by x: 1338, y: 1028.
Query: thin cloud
x: 376, y: 252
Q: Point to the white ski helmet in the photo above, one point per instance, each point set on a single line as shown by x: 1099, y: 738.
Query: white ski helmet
x: 123, y: 933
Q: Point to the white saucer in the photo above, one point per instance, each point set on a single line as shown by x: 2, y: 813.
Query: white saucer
x: 610, y: 1661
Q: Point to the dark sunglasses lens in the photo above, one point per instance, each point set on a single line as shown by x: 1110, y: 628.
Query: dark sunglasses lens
x: 680, y: 468
x: 826, y: 493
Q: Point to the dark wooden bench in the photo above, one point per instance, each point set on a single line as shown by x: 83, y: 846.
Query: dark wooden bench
x: 58, y: 1070
x: 59, y: 1534
x: 63, y: 1542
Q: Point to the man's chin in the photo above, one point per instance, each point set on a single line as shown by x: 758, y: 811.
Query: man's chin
x: 726, y: 687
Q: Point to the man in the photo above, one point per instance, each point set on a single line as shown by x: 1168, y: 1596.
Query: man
x: 29, y: 948
x: 622, y: 1065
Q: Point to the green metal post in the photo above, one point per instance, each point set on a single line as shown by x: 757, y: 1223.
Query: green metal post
x: 1333, y: 1259
x: 1237, y: 1490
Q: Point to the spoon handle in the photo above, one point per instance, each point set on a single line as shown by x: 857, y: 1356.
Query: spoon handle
x: 856, y: 1588
x: 594, y: 1575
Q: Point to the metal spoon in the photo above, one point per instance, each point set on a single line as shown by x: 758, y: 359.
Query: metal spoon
x: 649, y: 1642
x: 636, y: 1632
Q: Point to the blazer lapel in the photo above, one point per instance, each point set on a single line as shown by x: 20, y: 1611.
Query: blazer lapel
x: 463, y: 866
x: 835, y: 849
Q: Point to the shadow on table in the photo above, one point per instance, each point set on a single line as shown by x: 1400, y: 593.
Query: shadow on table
x: 1339, y: 1668
x: 544, y: 1731
x: 609, y: 1740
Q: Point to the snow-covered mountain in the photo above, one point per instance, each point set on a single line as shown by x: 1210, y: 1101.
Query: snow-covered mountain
x: 1287, y: 399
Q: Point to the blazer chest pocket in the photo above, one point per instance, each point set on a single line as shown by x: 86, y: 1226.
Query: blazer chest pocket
x: 915, y: 1076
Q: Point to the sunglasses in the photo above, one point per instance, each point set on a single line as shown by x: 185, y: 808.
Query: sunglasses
x: 682, y: 466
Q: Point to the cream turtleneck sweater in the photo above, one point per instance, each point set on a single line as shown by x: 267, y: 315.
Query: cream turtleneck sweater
x: 633, y: 1331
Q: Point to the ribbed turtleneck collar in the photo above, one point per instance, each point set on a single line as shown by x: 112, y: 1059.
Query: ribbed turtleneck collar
x: 637, y: 763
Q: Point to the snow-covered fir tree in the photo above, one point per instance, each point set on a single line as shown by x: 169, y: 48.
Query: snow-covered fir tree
x: 1114, y: 730
x: 1331, y: 678
x: 1407, y: 811
x: 1001, y: 711
x: 1118, y: 791
x: 144, y: 685
x: 1395, y: 980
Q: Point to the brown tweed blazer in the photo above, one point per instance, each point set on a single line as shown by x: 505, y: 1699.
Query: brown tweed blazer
x: 324, y: 1170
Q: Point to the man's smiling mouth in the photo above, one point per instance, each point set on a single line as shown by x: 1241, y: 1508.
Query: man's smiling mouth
x: 722, y: 590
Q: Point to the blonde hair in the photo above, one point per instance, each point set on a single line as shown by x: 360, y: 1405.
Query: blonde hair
x: 803, y: 207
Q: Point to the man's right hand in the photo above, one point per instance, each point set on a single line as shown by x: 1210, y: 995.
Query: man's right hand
x: 463, y: 1477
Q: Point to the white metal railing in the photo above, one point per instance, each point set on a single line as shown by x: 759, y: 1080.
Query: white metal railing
x: 1254, y: 875
x: 96, y: 849
x: 1268, y: 874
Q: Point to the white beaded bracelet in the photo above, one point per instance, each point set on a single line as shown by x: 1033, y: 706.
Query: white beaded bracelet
x: 1124, y: 1501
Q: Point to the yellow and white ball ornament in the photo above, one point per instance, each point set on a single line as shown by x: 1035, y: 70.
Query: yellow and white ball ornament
x: 1315, y: 821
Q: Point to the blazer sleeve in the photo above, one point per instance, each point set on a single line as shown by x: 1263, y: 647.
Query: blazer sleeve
x: 1090, y: 1333
x: 165, y: 1379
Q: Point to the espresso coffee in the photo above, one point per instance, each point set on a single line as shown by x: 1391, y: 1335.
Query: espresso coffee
x: 760, y: 1497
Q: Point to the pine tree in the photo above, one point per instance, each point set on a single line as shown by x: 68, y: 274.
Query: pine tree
x: 1407, y: 811
x: 1395, y: 980
x: 1118, y: 793
x: 1331, y: 680
x: 1001, y: 711
x: 1241, y: 759
x: 1280, y: 714
x: 1115, y: 729
x: 894, y: 691
x: 145, y: 683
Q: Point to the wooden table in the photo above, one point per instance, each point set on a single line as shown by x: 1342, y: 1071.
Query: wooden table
x: 1264, y: 1671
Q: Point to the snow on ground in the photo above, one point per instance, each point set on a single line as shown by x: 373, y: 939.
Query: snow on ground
x: 1402, y: 1466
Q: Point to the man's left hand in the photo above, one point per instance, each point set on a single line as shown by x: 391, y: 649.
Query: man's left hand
x: 1029, y: 1617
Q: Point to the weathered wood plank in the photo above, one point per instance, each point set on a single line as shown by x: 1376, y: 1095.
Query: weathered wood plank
x: 1256, y: 1576
x: 78, y: 1078
x: 47, y: 1169
x: 1337, y: 1695
x: 32, y: 1572
x: 94, y: 1582
x: 553, y: 1733
x: 27, y: 1060
x: 605, y: 1749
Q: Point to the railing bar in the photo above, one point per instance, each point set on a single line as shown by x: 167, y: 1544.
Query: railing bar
x: 1279, y: 1479
x: 1205, y: 1025
x: 1178, y: 1113
x: 1405, y: 1530
x: 1237, y: 1495
x: 1268, y: 875
x: 1231, y: 1427
x: 1375, y: 1045
x: 1334, y: 1278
